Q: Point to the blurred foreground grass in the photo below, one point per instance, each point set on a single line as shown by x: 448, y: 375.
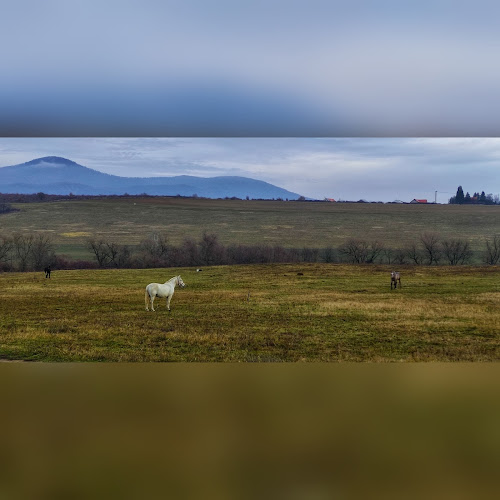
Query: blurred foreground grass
x: 267, y: 431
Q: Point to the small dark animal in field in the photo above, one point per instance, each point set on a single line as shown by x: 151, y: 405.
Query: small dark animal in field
x: 300, y: 274
x: 47, y: 271
x: 198, y: 270
x: 395, y: 278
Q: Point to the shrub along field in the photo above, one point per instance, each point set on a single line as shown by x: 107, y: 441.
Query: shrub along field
x: 281, y: 312
x: 289, y: 224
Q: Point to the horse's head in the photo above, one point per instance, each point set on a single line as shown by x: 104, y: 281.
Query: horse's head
x: 180, y: 282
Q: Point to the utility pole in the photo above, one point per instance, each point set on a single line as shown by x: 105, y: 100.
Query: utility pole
x: 440, y: 192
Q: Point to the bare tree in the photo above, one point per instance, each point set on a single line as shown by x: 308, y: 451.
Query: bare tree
x: 395, y: 256
x: 124, y: 258
x: 156, y: 247
x: 431, y: 248
x: 361, y: 251
x: 211, y: 252
x: 328, y: 255
x: 456, y: 251
x: 190, y: 253
x: 388, y: 255
x: 100, y: 250
x: 414, y: 253
x: 118, y: 255
x: 279, y: 254
x: 375, y: 248
x: 294, y: 254
x: 491, y: 253
x: 42, y: 251
x: 400, y: 256
x: 22, y: 245
x: 110, y: 253
x: 309, y: 254
x: 355, y: 250
x: 5, y: 249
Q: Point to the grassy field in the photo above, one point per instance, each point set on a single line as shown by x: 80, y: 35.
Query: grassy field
x: 315, y: 312
x: 291, y: 224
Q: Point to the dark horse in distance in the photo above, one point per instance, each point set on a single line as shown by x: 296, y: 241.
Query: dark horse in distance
x: 395, y: 278
x: 47, y: 271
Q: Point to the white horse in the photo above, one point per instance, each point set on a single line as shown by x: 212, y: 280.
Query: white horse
x: 164, y: 291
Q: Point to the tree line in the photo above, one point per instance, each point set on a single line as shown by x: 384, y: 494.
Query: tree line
x: 33, y: 252
x: 476, y: 199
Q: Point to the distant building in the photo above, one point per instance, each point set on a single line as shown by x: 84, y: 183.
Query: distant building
x: 331, y: 200
x: 418, y: 201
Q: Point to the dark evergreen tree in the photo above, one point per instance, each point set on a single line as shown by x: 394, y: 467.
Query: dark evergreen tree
x: 482, y: 198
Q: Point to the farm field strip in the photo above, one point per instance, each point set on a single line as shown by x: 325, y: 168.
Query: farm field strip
x: 290, y: 224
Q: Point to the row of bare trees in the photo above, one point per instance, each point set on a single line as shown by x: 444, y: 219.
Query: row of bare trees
x: 156, y: 251
x: 25, y: 252
x: 429, y: 250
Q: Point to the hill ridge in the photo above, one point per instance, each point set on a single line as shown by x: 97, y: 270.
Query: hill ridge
x: 50, y: 174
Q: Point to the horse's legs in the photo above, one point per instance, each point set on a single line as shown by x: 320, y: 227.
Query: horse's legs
x: 168, y: 302
x: 152, y: 300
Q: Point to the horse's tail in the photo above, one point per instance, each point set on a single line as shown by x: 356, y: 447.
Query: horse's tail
x: 146, y: 298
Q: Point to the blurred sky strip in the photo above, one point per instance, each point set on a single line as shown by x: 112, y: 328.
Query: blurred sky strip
x: 249, y: 68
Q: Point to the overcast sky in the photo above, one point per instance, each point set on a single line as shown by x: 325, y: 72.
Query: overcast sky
x: 375, y: 169
x: 249, y: 67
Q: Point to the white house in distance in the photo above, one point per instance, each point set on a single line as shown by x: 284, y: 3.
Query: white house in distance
x: 418, y: 201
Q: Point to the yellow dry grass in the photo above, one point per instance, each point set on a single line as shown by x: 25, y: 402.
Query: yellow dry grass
x: 76, y: 234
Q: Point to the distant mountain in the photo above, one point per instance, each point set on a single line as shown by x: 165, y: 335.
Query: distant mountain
x: 55, y: 175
